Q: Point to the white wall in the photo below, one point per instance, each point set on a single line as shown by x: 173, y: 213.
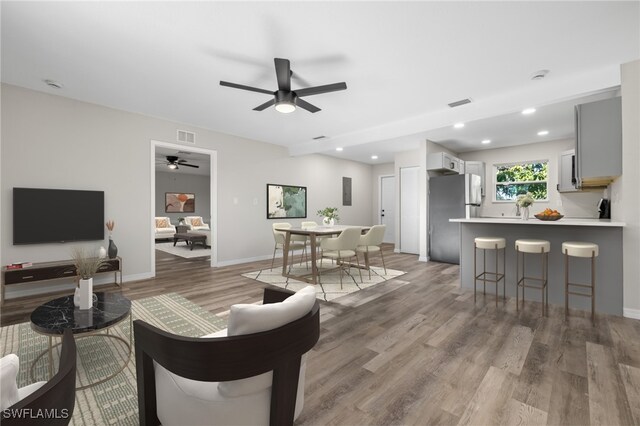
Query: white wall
x: 56, y: 142
x: 580, y: 204
x: 184, y: 182
x: 378, y: 170
x: 626, y: 190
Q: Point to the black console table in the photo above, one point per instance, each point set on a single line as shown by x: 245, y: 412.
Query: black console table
x: 46, y: 271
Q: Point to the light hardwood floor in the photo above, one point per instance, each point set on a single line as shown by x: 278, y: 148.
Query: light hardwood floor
x: 418, y: 351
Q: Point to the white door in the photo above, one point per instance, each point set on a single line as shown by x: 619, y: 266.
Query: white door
x: 409, y: 210
x: 387, y: 204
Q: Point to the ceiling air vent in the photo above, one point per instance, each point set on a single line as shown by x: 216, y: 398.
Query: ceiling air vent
x: 317, y: 138
x: 460, y: 102
x: 186, y: 137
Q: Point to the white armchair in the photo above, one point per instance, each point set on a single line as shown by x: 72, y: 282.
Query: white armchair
x: 196, y: 223
x: 164, y: 228
x: 251, y: 373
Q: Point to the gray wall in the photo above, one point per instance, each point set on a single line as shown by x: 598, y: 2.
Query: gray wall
x: 182, y: 182
x: 56, y: 142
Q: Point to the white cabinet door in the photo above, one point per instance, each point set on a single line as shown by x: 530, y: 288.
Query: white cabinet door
x: 409, y: 210
x: 387, y: 207
x: 566, y: 172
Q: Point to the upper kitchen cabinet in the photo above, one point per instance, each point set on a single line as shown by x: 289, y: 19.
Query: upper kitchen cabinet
x: 598, y: 142
x: 567, y: 171
x: 443, y: 162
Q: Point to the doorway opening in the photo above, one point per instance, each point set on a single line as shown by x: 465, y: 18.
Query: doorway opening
x: 183, y: 206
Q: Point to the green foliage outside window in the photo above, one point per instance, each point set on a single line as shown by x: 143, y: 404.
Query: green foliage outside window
x: 512, y: 180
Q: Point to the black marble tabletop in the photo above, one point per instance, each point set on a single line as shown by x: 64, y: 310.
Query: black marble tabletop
x: 59, y: 314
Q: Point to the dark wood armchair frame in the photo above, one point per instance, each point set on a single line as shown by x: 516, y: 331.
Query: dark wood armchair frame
x: 228, y: 358
x: 56, y: 395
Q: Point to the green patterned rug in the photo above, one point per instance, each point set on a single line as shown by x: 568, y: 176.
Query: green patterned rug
x: 116, y: 400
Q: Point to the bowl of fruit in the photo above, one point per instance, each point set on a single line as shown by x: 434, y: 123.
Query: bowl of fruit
x: 549, y: 214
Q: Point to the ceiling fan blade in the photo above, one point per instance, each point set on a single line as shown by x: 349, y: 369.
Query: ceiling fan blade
x: 243, y: 87
x: 283, y: 73
x: 306, y: 105
x: 265, y: 105
x: 309, y: 91
x: 189, y: 165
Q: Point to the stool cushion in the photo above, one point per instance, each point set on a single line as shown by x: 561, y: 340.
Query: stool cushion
x: 489, y: 243
x: 533, y: 246
x: 579, y: 249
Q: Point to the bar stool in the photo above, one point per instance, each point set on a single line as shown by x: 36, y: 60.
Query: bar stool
x: 580, y: 249
x: 541, y: 247
x: 484, y: 244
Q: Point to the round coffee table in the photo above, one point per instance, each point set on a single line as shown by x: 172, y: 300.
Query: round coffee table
x: 55, y: 316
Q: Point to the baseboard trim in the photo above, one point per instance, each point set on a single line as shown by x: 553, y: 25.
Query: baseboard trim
x: 423, y: 259
x: 246, y: 260
x: 631, y: 313
x: 395, y: 250
x: 136, y: 277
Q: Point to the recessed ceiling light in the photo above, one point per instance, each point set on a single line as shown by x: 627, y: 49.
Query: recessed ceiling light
x: 543, y: 133
x: 339, y: 149
x: 458, y: 125
x: 528, y: 111
x: 374, y: 157
x: 54, y: 84
x: 486, y: 141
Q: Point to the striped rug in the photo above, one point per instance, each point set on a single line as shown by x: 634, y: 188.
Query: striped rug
x: 114, y: 402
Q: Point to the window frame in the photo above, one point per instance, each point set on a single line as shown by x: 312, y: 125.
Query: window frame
x: 515, y: 163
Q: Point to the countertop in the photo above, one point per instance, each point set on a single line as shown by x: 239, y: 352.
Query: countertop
x: 565, y: 221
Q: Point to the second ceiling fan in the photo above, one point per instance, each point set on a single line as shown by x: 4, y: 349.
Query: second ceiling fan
x: 285, y: 99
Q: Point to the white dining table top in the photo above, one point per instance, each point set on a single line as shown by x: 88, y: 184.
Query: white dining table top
x: 319, y: 230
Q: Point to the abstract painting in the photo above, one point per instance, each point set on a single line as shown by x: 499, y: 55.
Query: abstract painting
x: 286, y: 201
x: 179, y: 202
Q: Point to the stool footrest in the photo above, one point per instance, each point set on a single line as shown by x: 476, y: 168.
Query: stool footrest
x: 579, y: 294
x: 482, y: 277
x: 580, y: 285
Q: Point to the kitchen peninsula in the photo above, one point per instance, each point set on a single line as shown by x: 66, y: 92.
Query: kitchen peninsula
x: 604, y: 232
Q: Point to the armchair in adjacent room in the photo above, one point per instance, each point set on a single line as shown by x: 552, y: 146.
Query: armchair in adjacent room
x: 57, y: 396
x: 196, y: 223
x: 251, y: 373
x: 164, y: 228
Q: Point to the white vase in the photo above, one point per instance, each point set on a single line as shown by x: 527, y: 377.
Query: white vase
x: 525, y: 213
x: 327, y: 221
x: 76, y: 297
x: 102, y: 253
x: 86, y: 294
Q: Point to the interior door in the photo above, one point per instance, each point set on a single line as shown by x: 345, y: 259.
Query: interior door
x: 409, y: 210
x: 387, y: 210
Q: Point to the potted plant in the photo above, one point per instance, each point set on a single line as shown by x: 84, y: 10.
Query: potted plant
x: 329, y: 215
x: 87, y: 264
x: 181, y: 221
x: 524, y: 201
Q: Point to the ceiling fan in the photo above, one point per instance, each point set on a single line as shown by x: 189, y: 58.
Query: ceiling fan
x: 173, y: 162
x: 285, y: 99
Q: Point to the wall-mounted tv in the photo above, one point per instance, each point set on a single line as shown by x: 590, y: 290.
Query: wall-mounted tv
x: 57, y: 215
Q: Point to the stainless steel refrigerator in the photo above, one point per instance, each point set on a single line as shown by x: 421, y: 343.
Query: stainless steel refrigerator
x: 450, y: 197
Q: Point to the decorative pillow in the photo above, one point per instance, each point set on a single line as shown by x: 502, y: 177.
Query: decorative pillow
x: 196, y: 221
x: 8, y: 386
x: 248, y: 319
x: 162, y: 223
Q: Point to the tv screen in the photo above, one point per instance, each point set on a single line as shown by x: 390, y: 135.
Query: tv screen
x: 57, y: 215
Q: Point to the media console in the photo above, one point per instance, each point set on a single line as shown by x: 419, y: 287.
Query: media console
x: 47, y: 271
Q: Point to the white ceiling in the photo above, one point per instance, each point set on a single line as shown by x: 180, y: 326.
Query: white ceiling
x: 201, y: 160
x: 402, y: 61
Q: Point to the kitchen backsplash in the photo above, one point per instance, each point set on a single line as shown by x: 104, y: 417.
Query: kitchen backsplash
x: 574, y: 204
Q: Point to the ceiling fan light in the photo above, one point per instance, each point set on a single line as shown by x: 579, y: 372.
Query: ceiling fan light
x: 285, y: 107
x: 172, y: 166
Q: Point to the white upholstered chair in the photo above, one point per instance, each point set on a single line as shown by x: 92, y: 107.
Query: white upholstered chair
x: 341, y: 249
x: 164, y: 228
x: 196, y: 223
x: 279, y: 239
x: 249, y: 374
x: 371, y: 242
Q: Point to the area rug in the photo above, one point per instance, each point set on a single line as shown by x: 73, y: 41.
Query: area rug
x: 329, y: 287
x: 114, y: 401
x: 182, y: 250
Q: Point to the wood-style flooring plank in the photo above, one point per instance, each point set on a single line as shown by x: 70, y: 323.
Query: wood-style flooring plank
x: 631, y: 379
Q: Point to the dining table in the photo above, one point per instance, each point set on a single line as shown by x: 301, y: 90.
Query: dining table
x: 312, y: 233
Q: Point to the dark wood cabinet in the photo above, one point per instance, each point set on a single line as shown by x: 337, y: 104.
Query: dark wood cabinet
x: 54, y: 271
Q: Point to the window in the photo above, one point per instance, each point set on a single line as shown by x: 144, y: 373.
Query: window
x: 514, y: 179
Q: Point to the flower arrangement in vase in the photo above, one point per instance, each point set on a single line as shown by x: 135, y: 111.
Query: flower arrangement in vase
x: 113, y: 249
x: 524, y: 201
x: 329, y: 215
x: 87, y: 264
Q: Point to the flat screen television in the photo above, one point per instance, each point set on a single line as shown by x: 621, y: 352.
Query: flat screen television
x: 57, y: 215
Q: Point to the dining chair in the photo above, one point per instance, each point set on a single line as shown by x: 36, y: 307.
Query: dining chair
x: 371, y: 242
x: 279, y: 238
x: 341, y: 248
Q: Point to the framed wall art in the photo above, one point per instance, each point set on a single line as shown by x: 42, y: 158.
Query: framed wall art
x: 286, y: 201
x: 179, y: 202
